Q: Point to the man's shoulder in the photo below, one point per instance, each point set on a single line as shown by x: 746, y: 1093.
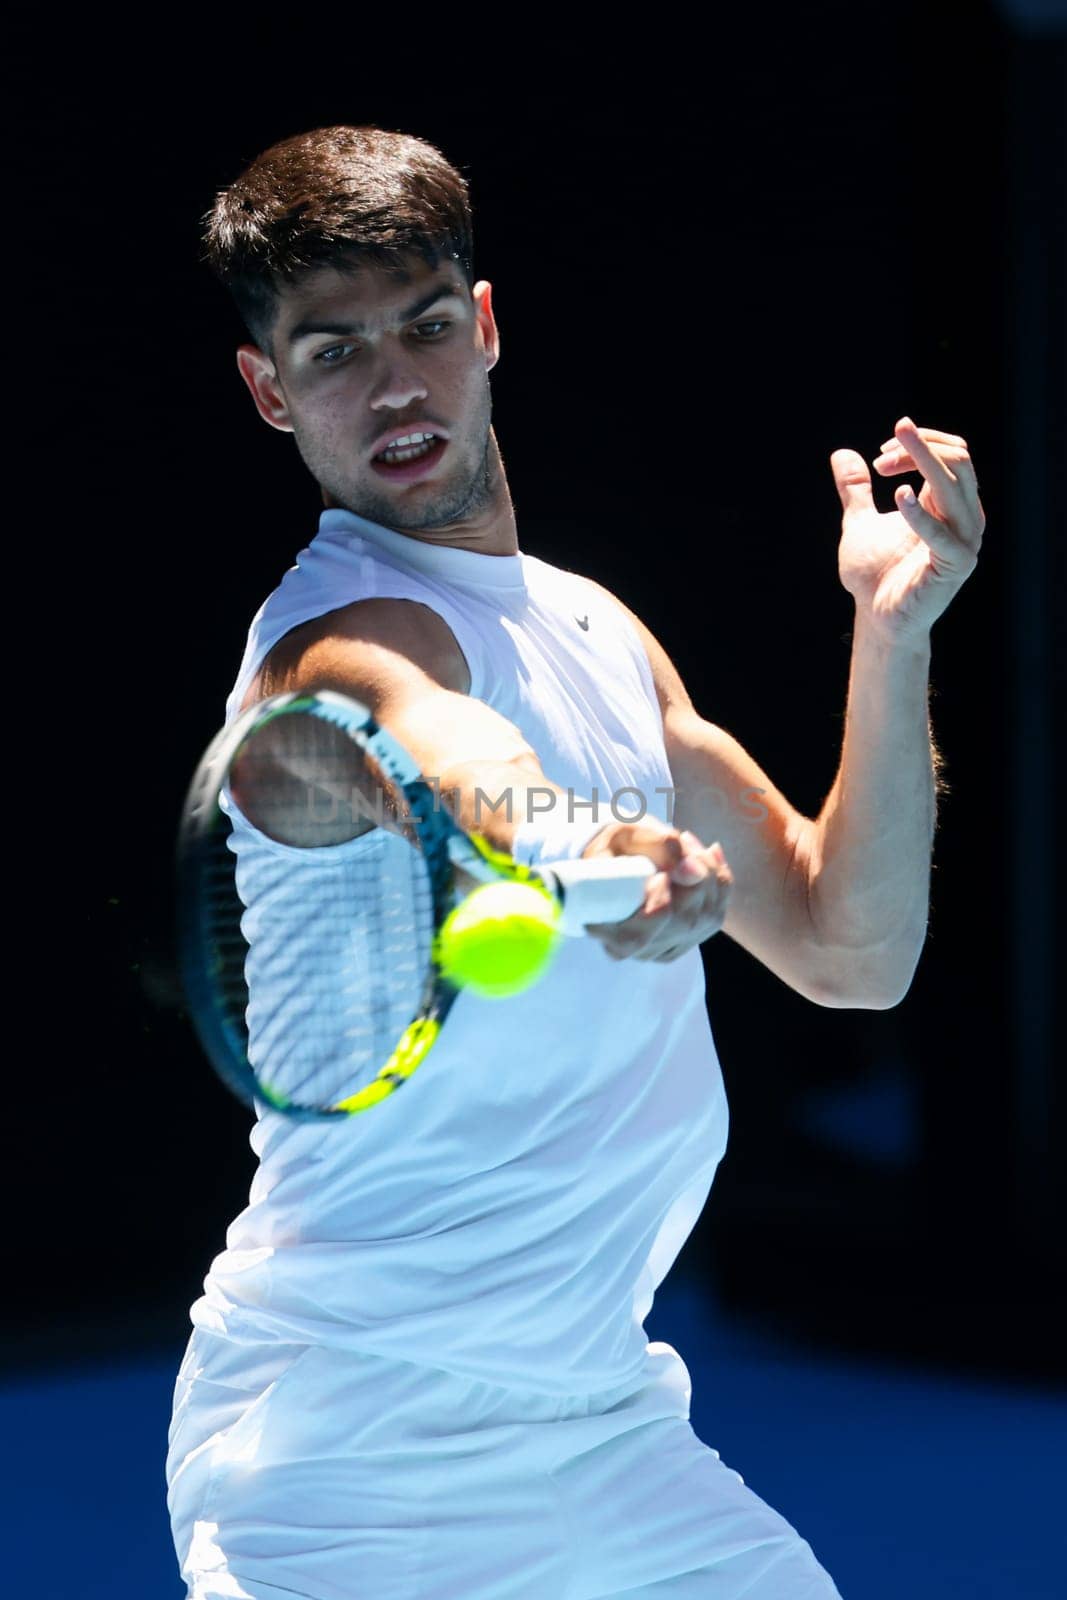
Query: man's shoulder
x: 369, y: 626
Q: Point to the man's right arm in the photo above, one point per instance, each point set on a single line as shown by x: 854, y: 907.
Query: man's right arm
x: 404, y: 663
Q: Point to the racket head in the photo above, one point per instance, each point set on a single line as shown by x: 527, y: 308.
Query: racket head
x: 366, y: 844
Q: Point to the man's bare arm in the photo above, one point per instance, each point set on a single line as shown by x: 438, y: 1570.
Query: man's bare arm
x: 722, y: 793
x: 402, y: 660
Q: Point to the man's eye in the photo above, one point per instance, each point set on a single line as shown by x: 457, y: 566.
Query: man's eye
x: 333, y: 356
x: 324, y: 355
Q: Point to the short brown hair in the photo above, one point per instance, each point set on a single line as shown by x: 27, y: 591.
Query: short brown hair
x: 334, y: 197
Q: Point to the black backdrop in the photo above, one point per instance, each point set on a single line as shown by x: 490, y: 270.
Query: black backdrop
x: 766, y: 241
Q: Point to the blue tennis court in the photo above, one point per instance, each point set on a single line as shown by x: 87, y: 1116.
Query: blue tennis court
x: 904, y: 1483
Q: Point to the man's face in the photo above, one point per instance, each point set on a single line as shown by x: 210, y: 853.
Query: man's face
x: 360, y: 357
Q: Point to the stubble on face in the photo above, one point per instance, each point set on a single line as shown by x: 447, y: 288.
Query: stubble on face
x: 464, y: 487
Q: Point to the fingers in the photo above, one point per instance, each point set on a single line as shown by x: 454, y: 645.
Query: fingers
x: 895, y: 462
x: 964, y: 513
x: 951, y: 488
x: 932, y: 435
x: 853, y: 481
x: 920, y: 449
x: 947, y: 538
x: 928, y: 459
x: 684, y: 905
x: 898, y: 460
x: 663, y: 845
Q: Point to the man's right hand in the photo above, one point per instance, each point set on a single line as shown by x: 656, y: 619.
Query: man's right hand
x: 685, y: 901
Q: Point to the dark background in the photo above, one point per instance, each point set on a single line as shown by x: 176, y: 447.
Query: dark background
x: 766, y: 239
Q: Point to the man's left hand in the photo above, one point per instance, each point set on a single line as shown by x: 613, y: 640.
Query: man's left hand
x: 903, y: 567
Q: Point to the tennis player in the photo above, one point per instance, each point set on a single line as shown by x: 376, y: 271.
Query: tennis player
x: 418, y: 1370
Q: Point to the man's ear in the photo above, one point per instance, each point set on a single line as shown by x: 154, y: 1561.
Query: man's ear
x: 483, y: 311
x: 259, y: 373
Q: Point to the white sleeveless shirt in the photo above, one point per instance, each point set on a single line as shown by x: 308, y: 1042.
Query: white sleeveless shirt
x: 509, y: 1214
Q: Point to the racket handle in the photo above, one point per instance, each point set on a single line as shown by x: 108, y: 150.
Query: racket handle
x: 606, y: 889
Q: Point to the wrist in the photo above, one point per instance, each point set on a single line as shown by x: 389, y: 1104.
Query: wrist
x: 545, y: 838
x: 889, y: 638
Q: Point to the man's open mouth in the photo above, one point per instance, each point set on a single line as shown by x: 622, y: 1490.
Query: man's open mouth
x: 410, y: 460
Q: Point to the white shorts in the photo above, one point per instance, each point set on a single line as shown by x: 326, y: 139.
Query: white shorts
x: 302, y: 1473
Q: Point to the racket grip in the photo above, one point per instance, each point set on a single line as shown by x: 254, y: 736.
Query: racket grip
x: 606, y: 889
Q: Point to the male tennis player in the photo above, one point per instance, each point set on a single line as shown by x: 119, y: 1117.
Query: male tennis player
x: 419, y: 1367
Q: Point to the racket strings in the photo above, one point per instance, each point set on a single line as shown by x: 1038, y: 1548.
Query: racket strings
x: 307, y: 965
x: 333, y: 945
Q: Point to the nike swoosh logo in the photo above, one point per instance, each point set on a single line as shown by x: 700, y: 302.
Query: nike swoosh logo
x: 583, y: 622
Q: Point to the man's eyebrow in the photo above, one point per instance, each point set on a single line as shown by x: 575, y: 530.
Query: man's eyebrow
x: 308, y: 325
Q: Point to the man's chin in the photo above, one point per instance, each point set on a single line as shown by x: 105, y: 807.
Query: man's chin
x: 391, y: 512
x: 416, y: 512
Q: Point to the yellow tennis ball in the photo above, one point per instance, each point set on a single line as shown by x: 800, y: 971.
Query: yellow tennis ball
x: 500, y: 939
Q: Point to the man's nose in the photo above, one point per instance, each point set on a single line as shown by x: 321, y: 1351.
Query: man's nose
x: 398, y: 382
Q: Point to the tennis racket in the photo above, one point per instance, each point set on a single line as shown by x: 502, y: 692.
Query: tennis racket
x: 315, y: 866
